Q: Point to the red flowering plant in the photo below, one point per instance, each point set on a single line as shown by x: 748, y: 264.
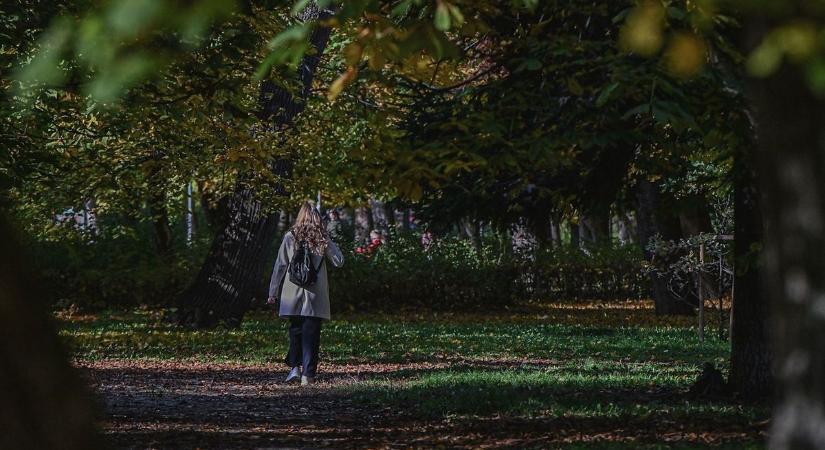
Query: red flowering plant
x: 368, y: 250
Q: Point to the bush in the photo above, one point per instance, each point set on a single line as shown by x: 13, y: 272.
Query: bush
x: 450, y: 275
x: 454, y: 275
x: 122, y: 270
x: 111, y: 271
x: 606, y: 272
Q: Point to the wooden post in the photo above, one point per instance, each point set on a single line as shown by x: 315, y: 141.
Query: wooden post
x: 721, y: 299
x: 701, y: 294
x: 725, y: 237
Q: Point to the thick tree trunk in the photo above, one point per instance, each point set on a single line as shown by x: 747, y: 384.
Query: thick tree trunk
x: 44, y: 403
x: 595, y: 227
x: 233, y: 271
x: 791, y: 143
x: 750, y: 362
x: 652, y: 220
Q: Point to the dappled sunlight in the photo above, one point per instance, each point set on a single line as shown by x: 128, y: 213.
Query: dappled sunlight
x: 433, y: 379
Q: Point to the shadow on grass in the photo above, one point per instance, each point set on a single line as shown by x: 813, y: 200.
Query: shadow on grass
x: 635, y: 396
x: 581, y: 404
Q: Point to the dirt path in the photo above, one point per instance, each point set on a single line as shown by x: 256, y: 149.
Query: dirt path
x: 187, y: 405
x: 212, y: 405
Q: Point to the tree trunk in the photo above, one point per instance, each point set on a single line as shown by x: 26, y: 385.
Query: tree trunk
x: 363, y: 224
x: 626, y: 230
x: 789, y: 121
x: 575, y: 235
x: 651, y: 220
x: 750, y: 362
x: 162, y: 232
x: 471, y: 229
x: 555, y: 233
x: 233, y: 271
x: 215, y: 209
x: 380, y: 218
x: 405, y: 220
x: 44, y: 403
x: 694, y: 219
x: 283, y: 222
x: 160, y: 221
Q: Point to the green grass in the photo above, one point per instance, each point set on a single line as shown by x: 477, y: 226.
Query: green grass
x: 261, y: 338
x: 631, y: 392
x: 631, y: 376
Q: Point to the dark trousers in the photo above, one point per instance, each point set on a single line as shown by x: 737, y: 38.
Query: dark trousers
x: 304, y: 343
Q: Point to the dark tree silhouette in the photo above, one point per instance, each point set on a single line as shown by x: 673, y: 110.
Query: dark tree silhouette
x: 232, y: 272
x: 791, y: 161
x: 750, y: 362
x: 44, y: 404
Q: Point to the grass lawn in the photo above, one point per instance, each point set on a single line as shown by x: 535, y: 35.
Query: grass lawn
x: 558, y: 375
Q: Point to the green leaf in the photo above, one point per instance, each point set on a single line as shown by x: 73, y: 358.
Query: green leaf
x: 290, y: 35
x: 815, y: 72
x: 764, y: 60
x: 401, y: 9
x: 442, y: 17
x: 676, y: 13
x: 111, y: 83
x: 458, y: 18
x: 45, y: 67
x: 574, y: 87
x: 604, y: 95
x: 129, y: 17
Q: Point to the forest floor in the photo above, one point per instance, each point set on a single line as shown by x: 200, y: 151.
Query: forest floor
x: 560, y: 375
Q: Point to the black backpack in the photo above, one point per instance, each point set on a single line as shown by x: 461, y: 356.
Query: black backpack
x: 302, y: 272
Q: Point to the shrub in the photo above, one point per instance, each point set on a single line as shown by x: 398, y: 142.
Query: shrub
x: 122, y: 269
x: 450, y: 275
x: 112, y: 271
x: 454, y: 275
x: 607, y: 272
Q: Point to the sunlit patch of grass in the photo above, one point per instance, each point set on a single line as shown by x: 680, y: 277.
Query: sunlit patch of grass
x: 598, y: 367
x: 262, y: 338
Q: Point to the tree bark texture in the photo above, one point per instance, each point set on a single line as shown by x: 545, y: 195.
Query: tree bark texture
x: 750, y: 363
x: 791, y: 149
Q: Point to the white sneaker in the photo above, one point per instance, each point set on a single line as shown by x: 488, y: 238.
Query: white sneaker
x: 306, y: 381
x: 293, y: 374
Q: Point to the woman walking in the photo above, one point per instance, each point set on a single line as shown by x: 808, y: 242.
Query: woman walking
x: 300, y: 282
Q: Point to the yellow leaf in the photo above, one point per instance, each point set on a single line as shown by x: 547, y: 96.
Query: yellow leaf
x: 686, y: 55
x: 352, y: 54
x: 343, y: 81
x: 642, y: 33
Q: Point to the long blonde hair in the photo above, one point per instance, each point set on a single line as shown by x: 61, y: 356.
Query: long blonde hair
x: 309, y: 227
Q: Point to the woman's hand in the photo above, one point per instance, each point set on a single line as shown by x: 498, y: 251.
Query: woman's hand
x: 271, y: 301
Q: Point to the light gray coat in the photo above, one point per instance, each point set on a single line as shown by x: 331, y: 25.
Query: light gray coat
x: 295, y: 300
